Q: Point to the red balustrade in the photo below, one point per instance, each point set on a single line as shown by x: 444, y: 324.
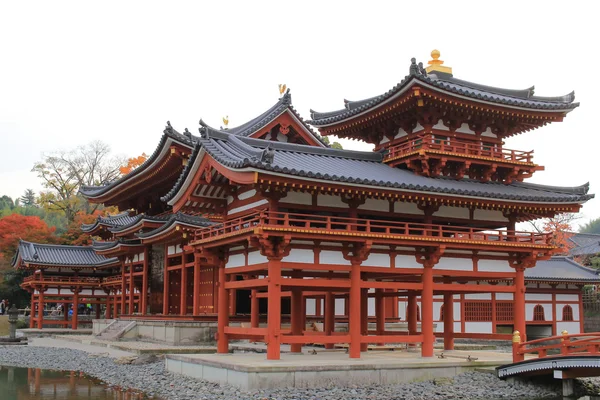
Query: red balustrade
x: 459, y: 146
x: 61, y: 279
x: 564, y: 345
x: 334, y: 224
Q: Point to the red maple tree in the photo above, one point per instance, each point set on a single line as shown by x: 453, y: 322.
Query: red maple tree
x: 562, y: 231
x: 133, y: 163
x: 15, y: 227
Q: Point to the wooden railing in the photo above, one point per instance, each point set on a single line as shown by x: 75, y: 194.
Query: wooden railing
x: 564, y: 345
x: 336, y: 225
x: 453, y: 145
x: 62, y: 279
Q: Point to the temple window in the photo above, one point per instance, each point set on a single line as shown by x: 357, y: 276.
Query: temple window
x: 567, y: 313
x: 538, y: 313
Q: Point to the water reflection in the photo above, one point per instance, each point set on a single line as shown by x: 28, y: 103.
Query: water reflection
x: 35, y: 383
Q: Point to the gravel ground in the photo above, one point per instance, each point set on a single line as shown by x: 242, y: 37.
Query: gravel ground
x: 155, y: 381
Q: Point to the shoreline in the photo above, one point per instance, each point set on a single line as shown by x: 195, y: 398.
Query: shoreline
x: 153, y: 380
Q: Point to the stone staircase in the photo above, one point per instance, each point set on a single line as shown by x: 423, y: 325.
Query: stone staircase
x: 116, y: 329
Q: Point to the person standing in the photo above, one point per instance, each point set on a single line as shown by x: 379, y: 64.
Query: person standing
x: 2, y: 307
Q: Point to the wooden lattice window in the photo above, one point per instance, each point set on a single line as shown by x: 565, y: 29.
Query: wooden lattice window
x: 504, y: 312
x: 478, y: 311
x: 567, y: 313
x: 538, y: 313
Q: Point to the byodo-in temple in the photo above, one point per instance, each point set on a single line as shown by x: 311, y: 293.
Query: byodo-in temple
x: 273, y: 236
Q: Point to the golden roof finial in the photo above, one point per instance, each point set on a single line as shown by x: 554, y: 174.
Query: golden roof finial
x: 226, y: 121
x: 436, y: 64
x: 282, y: 88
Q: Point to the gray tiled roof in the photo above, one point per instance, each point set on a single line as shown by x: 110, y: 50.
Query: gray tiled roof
x: 585, y: 244
x: 186, y: 139
x: 99, y: 246
x: 61, y: 255
x: 445, y: 82
x: 178, y: 218
x: 111, y: 221
x: 365, y: 168
x: 255, y: 124
x: 562, y: 269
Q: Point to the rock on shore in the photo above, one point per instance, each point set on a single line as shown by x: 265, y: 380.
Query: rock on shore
x: 152, y: 379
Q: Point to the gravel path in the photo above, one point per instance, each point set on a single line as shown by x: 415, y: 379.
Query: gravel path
x: 155, y: 381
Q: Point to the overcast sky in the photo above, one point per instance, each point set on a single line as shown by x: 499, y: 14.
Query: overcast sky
x: 74, y: 72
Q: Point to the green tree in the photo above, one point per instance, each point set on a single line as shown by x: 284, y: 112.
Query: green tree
x: 334, y: 145
x: 6, y: 203
x: 592, y: 226
x: 28, y: 198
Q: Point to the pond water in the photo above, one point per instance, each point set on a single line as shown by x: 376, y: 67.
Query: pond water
x: 38, y: 384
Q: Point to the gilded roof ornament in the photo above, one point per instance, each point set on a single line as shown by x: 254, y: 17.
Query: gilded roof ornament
x: 226, y: 121
x: 436, y: 65
x: 282, y: 88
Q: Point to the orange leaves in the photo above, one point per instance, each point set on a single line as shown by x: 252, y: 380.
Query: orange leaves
x: 14, y: 227
x: 133, y: 163
x: 562, y: 230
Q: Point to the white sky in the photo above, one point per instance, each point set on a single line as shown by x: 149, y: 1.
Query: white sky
x: 73, y: 72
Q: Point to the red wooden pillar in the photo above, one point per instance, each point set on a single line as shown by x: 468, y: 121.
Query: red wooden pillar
x: 74, y: 319
x: 380, y: 311
x: 412, y: 317
x: 40, y: 316
x: 519, y: 305
x: 123, y: 287
x: 144, y: 294
x: 274, y: 309
x: 116, y: 303
x: 183, y: 298
x: 354, y: 310
x: 107, y: 312
x: 98, y: 310
x: 131, y: 290
x: 427, y: 311
x: 254, y: 311
x: 196, y: 302
x: 448, y: 321
x: 329, y: 325
x: 166, y: 283
x: 223, y: 313
x: 32, y: 312
x: 297, y: 328
x: 364, y: 317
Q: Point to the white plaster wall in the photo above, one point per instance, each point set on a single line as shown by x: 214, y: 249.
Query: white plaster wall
x: 377, y: 260
x: 298, y: 198
x: 504, y: 296
x: 332, y: 257
x: 174, y: 249
x: 529, y: 307
x: 247, y: 194
x: 247, y: 207
x: 340, y: 306
x: 236, y: 260
x: 538, y: 296
x: 570, y: 327
x: 478, y: 327
x: 488, y: 215
x: 371, y: 308
x: 567, y: 297
x: 456, y: 306
x: 455, y: 264
x: 281, y: 137
x: 559, y: 311
x: 375, y: 205
x: 300, y: 256
x: 403, y: 261
x: 478, y: 296
x: 453, y: 212
x: 402, y: 310
x: 458, y: 327
x: 437, y: 308
x: 326, y: 200
x: 406, y: 208
x: 494, y: 266
x: 311, y: 306
x: 255, y: 257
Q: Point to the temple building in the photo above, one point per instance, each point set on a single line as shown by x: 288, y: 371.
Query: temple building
x: 266, y: 231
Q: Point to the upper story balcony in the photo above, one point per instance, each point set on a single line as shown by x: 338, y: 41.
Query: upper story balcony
x: 344, y: 229
x: 435, y: 155
x: 61, y: 280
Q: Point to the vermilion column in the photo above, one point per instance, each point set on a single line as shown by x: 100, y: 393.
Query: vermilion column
x: 144, y: 294
x: 427, y: 311
x: 329, y: 325
x: 166, y: 283
x: 183, y: 299
x: 254, y: 309
x: 131, y: 290
x: 107, y: 311
x: 448, y: 321
x: 32, y: 313
x: 364, y: 317
x: 123, y: 287
x: 116, y: 303
x: 519, y: 304
x: 412, y: 316
x: 274, y: 310
x: 297, y: 328
x: 40, y: 321
x: 197, y: 283
x: 354, y: 310
x: 379, y: 311
x: 223, y: 313
x: 74, y: 319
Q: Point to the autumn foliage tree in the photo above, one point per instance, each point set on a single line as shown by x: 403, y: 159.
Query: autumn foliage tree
x: 133, y: 163
x: 561, y: 226
x: 15, y: 227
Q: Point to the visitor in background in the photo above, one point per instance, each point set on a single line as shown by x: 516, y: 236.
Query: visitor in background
x: 2, y: 307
